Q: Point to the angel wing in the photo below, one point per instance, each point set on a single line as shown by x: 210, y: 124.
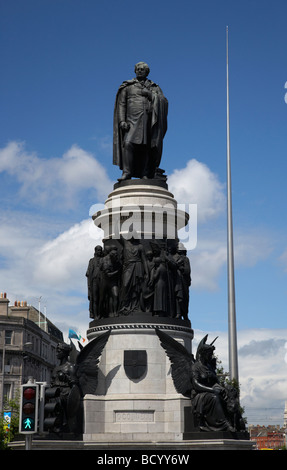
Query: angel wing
x: 87, y: 363
x: 181, y: 362
x: 73, y: 353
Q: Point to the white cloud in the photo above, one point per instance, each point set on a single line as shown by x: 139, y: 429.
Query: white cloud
x: 62, y: 262
x: 207, y: 261
x: 56, y: 179
x: 32, y: 265
x: 263, y: 373
x: 196, y: 184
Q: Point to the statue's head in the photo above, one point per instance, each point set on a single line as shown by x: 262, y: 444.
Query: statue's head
x: 63, y: 350
x: 141, y: 70
x: 149, y: 255
x: 205, y: 350
x: 98, y: 250
x: 113, y: 252
x: 157, y: 261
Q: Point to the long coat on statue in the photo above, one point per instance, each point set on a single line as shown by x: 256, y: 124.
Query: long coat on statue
x: 147, y: 119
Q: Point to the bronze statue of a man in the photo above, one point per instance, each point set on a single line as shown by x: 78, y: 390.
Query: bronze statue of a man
x: 94, y: 281
x: 140, y: 124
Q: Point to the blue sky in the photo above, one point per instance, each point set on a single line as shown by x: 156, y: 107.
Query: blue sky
x: 61, y: 64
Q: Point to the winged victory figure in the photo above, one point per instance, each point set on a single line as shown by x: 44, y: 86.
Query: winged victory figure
x: 76, y: 376
x: 215, y: 407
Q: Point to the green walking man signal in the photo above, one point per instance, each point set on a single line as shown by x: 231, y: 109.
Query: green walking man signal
x: 28, y: 424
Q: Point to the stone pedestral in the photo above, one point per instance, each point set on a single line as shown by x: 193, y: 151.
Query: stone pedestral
x: 149, y: 208
x: 143, y: 409
x: 136, y: 402
x: 136, y: 399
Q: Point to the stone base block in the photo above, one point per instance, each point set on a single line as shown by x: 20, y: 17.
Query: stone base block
x: 138, y: 450
x: 136, y: 399
x: 131, y: 418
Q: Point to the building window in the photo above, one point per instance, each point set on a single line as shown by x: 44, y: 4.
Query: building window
x: 7, y: 391
x: 8, y: 367
x: 8, y: 336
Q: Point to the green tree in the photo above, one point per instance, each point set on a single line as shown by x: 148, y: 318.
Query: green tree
x: 225, y: 380
x: 7, y: 436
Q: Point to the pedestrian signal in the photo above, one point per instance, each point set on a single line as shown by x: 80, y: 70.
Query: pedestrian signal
x: 28, y: 420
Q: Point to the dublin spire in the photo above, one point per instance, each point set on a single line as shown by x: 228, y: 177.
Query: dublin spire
x: 232, y: 334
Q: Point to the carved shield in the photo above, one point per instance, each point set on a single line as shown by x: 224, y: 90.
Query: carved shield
x: 135, y: 363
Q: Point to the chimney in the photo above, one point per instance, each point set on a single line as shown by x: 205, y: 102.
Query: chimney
x: 4, y: 302
x: 20, y: 309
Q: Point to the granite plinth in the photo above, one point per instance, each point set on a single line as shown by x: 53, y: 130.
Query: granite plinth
x: 145, y: 408
x: 150, y: 209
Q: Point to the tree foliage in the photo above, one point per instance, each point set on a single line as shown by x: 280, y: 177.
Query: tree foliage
x: 7, y: 435
x: 225, y: 380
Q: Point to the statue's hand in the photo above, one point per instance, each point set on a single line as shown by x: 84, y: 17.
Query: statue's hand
x: 124, y: 126
x: 219, y: 390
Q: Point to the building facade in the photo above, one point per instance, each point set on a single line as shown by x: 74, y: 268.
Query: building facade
x: 28, y: 342
x: 268, y: 437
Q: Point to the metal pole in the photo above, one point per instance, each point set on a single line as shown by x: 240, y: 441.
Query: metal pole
x: 41, y: 407
x: 233, y: 360
x: 28, y: 442
x: 39, y: 302
x: 3, y: 372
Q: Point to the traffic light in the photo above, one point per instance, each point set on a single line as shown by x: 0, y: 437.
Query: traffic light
x: 53, y: 411
x: 28, y: 420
